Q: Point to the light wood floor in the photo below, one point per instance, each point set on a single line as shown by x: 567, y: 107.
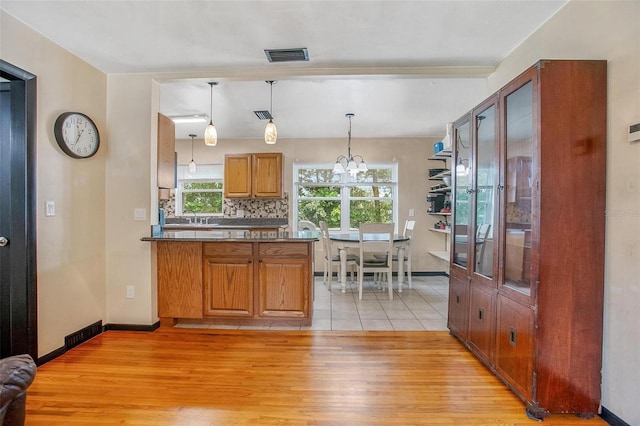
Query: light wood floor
x: 273, y: 377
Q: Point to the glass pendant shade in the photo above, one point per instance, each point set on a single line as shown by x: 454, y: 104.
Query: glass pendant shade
x: 270, y: 133
x: 211, y: 135
x: 338, y: 168
x: 193, y: 168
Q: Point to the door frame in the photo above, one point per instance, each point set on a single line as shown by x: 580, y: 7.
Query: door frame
x: 21, y: 335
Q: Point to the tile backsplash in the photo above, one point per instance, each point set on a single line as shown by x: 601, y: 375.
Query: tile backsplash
x: 253, y: 208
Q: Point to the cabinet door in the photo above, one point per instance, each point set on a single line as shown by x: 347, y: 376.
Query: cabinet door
x: 267, y: 175
x: 482, y: 322
x: 485, y: 194
x: 179, y: 279
x: 166, y: 152
x: 462, y: 211
x: 285, y: 280
x: 237, y: 176
x: 458, y: 306
x: 228, y: 279
x: 514, y: 345
x: 519, y: 152
x: 284, y: 288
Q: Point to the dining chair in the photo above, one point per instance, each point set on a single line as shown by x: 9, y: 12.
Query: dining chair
x: 305, y: 225
x: 330, y: 258
x: 409, y: 225
x: 375, y: 238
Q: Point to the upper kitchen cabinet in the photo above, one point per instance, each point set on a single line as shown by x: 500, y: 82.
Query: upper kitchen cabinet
x: 166, y: 152
x: 253, y: 175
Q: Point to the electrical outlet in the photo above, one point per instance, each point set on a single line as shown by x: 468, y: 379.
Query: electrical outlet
x: 131, y: 292
x: 412, y: 212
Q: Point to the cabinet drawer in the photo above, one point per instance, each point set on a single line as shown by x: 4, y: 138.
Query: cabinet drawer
x: 284, y: 249
x: 227, y: 249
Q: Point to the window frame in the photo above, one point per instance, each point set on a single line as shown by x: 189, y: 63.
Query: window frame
x: 345, y: 183
x: 180, y: 191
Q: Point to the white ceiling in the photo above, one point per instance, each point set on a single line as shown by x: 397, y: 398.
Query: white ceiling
x: 405, y: 68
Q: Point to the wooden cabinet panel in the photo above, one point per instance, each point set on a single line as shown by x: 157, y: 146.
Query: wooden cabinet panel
x: 514, y: 345
x: 237, y: 176
x: 166, y: 152
x: 267, y: 175
x: 481, y: 322
x: 179, y: 266
x: 284, y: 288
x: 458, y: 306
x: 228, y: 286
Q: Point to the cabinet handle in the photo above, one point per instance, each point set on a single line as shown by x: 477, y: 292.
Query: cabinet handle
x: 480, y: 314
x: 501, y: 187
x: 513, y: 336
x: 260, y: 260
x: 457, y: 298
x: 250, y: 261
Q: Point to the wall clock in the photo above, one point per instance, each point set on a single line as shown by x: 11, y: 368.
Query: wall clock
x: 76, y: 134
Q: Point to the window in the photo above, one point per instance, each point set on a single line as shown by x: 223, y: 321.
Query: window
x: 342, y: 201
x: 200, y: 193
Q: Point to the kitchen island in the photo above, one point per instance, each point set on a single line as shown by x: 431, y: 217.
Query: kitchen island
x: 234, y: 277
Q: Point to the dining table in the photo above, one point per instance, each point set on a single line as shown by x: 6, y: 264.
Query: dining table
x: 351, y: 240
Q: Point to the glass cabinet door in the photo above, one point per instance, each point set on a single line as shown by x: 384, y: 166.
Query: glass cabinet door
x: 462, y: 202
x: 486, y: 182
x: 519, y: 153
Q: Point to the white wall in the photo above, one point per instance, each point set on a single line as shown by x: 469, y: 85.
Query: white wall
x: 71, y: 244
x: 607, y: 30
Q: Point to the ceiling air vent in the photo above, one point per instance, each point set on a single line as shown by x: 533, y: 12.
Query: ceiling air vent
x: 287, y: 55
x: 263, y: 115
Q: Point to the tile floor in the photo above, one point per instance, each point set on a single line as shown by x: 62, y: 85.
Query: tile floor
x: 422, y: 308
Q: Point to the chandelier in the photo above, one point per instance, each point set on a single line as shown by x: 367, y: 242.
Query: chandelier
x: 350, y: 163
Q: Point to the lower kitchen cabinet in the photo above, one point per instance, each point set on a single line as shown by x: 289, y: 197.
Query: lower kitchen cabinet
x: 244, y: 283
x: 284, y: 280
x: 228, y: 278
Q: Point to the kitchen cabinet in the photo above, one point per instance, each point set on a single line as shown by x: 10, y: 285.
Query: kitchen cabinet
x: 257, y: 282
x: 228, y: 278
x: 257, y: 175
x: 284, y: 280
x: 528, y: 160
x: 166, y: 153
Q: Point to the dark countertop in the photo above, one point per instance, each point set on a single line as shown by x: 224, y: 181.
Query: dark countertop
x: 227, y: 223
x: 236, y: 236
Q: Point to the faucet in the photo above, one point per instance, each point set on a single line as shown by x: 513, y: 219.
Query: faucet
x: 195, y: 218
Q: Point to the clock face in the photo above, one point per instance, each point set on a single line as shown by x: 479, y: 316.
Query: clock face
x: 77, y: 135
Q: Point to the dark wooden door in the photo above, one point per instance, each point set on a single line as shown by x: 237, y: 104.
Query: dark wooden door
x: 18, y: 325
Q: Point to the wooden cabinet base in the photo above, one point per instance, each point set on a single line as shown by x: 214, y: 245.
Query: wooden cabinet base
x: 235, y: 283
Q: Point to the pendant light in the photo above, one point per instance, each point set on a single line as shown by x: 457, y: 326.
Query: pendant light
x: 210, y: 133
x: 193, y: 168
x: 270, y: 131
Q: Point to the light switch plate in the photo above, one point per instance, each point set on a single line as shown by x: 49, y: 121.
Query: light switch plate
x: 50, y: 208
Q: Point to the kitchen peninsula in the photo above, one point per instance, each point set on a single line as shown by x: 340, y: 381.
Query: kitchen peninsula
x: 234, y: 277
